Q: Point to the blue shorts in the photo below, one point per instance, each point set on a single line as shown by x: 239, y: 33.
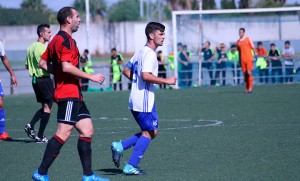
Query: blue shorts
x: 146, y: 121
x: 1, y: 90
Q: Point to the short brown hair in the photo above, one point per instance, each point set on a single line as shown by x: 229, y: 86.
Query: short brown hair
x: 152, y: 27
x: 63, y: 13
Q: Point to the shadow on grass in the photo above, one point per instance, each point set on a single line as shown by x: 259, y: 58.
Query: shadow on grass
x: 20, y: 141
x: 111, y: 171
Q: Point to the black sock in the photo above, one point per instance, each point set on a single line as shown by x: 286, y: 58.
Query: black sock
x: 43, y: 124
x: 85, y: 154
x: 37, y: 116
x: 52, y: 151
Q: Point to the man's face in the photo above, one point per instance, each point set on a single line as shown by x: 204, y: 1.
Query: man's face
x: 46, y: 34
x: 260, y: 46
x: 114, y: 53
x: 287, y: 46
x: 158, y: 37
x: 241, y: 33
x: 233, y: 49
x: 272, y: 48
x: 75, y: 21
x: 206, y: 44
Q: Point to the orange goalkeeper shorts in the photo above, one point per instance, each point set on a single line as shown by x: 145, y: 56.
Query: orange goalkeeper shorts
x: 246, y: 66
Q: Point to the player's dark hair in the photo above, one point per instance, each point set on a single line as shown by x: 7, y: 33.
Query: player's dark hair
x: 63, y: 13
x: 113, y: 49
x: 179, y: 44
x: 259, y: 43
x: 86, y: 51
x: 287, y: 42
x: 233, y: 46
x: 272, y: 44
x: 159, y: 52
x: 152, y: 27
x: 243, y: 29
x: 41, y: 28
x: 208, y: 42
x: 184, y: 47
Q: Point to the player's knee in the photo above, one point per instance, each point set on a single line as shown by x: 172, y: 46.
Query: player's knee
x: 64, y: 135
x: 87, y: 132
x: 47, y: 107
x: 1, y: 105
x: 150, y: 134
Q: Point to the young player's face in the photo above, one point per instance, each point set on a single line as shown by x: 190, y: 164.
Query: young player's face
x: 159, y: 37
x: 114, y: 53
x: 206, y: 44
x: 241, y: 33
x: 46, y: 34
x: 75, y: 21
x: 286, y: 45
x: 272, y: 48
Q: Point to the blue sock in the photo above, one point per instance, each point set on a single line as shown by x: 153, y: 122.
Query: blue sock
x: 131, y: 141
x: 2, y: 121
x: 139, y: 150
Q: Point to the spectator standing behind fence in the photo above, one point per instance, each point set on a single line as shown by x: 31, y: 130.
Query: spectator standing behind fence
x: 221, y: 65
x: 262, y: 63
x: 276, y: 66
x: 186, y: 68
x: 233, y: 61
x: 208, y: 56
x: 288, y: 54
x: 161, y: 68
x: 116, y: 66
x: 85, y: 66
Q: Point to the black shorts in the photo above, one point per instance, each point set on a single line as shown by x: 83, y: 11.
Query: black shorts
x: 70, y: 112
x: 43, y: 89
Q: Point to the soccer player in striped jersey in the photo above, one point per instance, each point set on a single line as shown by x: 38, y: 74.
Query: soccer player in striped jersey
x: 246, y: 49
x: 142, y: 69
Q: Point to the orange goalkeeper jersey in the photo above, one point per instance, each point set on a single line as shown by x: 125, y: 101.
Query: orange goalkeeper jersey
x: 245, y: 47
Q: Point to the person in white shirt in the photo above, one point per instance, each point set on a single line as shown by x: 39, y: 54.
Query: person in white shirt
x: 3, y: 134
x: 142, y: 70
x: 288, y: 54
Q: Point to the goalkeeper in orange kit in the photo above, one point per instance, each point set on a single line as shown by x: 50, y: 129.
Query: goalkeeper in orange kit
x: 246, y: 50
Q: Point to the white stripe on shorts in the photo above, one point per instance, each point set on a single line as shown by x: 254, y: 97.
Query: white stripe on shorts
x: 69, y: 111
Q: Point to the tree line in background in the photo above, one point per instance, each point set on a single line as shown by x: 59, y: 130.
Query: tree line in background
x: 34, y: 11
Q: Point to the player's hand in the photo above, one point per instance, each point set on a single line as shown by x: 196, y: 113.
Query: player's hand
x: 14, y: 80
x: 97, y: 78
x: 185, y: 63
x: 171, y: 81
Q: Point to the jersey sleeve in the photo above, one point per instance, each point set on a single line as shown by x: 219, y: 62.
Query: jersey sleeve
x: 2, y: 51
x: 251, y: 43
x: 264, y: 51
x: 45, y: 55
x: 66, y: 54
x: 292, y: 51
x: 149, y: 61
x: 130, y: 63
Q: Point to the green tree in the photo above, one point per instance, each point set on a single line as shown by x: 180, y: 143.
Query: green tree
x: 97, y: 7
x: 124, y: 10
x: 228, y: 4
x: 34, y: 5
x: 208, y: 4
x: 270, y: 3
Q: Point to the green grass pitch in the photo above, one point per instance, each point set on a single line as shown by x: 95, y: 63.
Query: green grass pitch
x: 206, y: 134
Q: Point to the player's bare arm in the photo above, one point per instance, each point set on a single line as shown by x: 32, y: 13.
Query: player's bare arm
x: 46, y: 66
x: 149, y: 77
x: 71, y: 69
x: 9, y: 69
x: 127, y: 72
